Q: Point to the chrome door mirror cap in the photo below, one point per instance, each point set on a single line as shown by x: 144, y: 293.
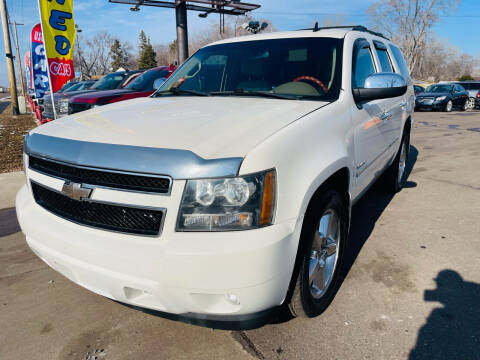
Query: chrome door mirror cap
x: 381, y: 86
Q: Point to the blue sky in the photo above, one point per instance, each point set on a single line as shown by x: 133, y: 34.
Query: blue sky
x: 460, y: 28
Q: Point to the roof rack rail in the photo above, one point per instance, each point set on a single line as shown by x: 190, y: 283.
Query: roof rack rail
x: 351, y: 27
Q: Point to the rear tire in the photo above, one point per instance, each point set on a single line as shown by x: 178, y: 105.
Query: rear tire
x: 321, y: 250
x: 395, y: 175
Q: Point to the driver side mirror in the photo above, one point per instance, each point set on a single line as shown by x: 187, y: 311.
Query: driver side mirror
x: 158, y: 82
x: 381, y: 86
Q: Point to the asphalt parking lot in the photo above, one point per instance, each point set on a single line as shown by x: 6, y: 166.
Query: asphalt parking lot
x: 411, y: 286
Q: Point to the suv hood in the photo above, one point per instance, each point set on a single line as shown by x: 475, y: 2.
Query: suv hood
x: 211, y: 127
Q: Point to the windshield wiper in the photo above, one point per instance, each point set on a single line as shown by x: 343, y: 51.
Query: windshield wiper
x: 242, y: 92
x: 177, y: 91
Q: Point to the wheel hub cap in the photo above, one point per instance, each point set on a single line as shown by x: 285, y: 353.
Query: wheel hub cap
x: 324, y: 254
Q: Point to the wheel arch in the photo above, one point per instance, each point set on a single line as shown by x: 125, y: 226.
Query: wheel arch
x: 339, y: 181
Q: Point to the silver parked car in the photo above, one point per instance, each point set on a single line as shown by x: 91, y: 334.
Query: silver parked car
x: 473, y: 88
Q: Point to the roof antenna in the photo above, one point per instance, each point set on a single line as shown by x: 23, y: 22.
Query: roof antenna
x: 316, y: 28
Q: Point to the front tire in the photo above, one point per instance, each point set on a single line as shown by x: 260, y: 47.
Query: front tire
x: 322, y: 246
x: 449, y: 106
x: 466, y: 105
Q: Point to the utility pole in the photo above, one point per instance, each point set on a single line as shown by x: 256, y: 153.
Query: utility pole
x: 8, y: 54
x: 19, y: 60
x: 182, y: 34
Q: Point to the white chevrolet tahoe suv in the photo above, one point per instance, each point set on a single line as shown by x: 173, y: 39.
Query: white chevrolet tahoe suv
x: 226, y: 195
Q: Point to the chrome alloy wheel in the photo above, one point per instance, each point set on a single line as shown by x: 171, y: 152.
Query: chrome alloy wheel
x: 449, y: 106
x: 471, y: 103
x: 324, y: 253
x: 402, y: 163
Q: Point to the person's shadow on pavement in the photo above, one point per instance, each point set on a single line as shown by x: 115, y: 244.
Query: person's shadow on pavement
x: 452, y: 331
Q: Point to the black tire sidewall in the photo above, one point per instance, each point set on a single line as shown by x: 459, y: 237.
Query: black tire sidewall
x: 327, y: 200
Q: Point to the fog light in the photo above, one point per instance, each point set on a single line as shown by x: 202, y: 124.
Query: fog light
x: 233, y: 299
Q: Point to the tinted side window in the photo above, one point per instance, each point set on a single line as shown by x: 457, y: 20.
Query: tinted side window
x: 362, y: 64
x: 397, y: 54
x: 383, y: 57
x: 460, y: 88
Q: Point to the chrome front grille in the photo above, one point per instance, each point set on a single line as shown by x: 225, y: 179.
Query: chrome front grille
x: 106, y: 178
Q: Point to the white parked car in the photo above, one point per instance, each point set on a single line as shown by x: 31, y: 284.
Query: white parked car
x: 226, y: 195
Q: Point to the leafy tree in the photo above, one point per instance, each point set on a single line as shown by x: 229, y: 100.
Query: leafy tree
x: 118, y: 55
x: 146, y: 57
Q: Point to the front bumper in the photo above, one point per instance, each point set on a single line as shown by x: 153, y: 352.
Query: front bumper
x: 437, y: 105
x: 186, y: 276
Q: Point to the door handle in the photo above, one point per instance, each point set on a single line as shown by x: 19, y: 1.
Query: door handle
x: 403, y: 104
x: 385, y: 116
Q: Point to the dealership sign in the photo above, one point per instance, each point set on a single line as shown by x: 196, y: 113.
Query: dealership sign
x: 39, y: 63
x: 59, y: 37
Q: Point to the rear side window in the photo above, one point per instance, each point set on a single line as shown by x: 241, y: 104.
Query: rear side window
x: 397, y: 54
x: 383, y: 56
x: 362, y: 64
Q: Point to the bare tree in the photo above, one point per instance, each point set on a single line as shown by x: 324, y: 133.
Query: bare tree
x: 92, y: 56
x: 442, y: 61
x: 409, y: 22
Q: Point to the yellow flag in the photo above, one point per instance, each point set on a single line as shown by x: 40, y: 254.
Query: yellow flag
x: 59, y: 38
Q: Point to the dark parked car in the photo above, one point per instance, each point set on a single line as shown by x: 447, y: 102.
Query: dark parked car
x: 443, y: 97
x: 116, y: 80
x: 418, y: 89
x: 142, y: 86
x: 61, y: 99
x: 473, y: 88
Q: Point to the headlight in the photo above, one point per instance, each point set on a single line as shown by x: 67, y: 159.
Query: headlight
x: 440, y: 98
x: 63, y: 106
x: 239, y: 203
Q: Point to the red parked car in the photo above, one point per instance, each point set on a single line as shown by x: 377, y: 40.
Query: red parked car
x: 142, y: 86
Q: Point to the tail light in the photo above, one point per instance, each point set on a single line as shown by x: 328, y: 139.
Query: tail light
x: 478, y: 94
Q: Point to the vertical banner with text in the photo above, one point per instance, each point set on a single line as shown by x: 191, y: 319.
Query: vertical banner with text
x: 39, y: 63
x: 28, y: 70
x: 59, y: 38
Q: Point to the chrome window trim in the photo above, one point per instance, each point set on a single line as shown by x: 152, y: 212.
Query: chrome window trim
x: 175, y: 163
x: 168, y: 193
x: 145, y: 207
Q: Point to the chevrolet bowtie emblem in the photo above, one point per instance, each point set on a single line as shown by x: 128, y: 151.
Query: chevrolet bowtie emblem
x: 75, y: 191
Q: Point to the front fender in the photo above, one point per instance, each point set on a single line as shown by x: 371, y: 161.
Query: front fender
x: 305, y: 154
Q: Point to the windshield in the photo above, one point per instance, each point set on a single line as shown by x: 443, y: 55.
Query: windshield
x: 67, y: 86
x: 302, y: 68
x: 85, y: 85
x: 109, y: 82
x: 145, y: 81
x: 75, y: 87
x: 439, y: 88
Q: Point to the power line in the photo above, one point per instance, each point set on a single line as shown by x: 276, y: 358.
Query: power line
x: 347, y: 15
